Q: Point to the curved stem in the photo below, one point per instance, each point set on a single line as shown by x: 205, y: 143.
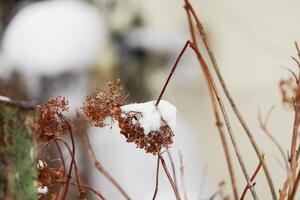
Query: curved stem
x: 252, y: 179
x: 169, y: 176
x: 230, y: 99
x: 85, y: 187
x: 100, y: 168
x: 172, y: 72
x: 156, y: 179
x: 295, y: 188
x: 75, y: 165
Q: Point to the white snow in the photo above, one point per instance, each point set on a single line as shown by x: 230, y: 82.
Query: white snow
x: 3, y: 98
x: 51, y: 37
x: 42, y: 190
x: 41, y: 164
x: 151, y: 116
x: 137, y: 174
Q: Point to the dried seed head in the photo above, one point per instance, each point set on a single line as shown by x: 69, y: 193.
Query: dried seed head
x: 51, y: 123
x: 47, y: 176
x: 149, y: 127
x: 288, y: 90
x: 104, y: 104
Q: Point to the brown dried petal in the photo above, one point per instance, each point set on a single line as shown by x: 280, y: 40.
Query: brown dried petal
x: 104, y: 104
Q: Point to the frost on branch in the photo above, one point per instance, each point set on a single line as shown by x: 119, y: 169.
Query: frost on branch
x: 151, y: 128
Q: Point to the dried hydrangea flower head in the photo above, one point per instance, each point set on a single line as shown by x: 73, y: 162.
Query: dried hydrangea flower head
x: 151, y: 128
x: 47, y: 176
x: 105, y: 104
x: 51, y: 123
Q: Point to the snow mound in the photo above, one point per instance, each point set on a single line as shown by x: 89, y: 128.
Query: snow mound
x: 51, y: 37
x: 151, y: 117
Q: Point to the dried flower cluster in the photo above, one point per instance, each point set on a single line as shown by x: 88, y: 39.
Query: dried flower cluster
x: 108, y: 104
x: 151, y: 142
x: 50, y: 123
x: 288, y: 90
x: 105, y: 104
x: 48, y: 176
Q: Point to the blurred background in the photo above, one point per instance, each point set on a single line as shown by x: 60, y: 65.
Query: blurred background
x: 70, y: 47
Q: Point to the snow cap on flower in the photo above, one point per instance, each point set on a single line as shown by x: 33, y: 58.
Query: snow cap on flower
x: 42, y: 190
x: 150, y: 117
x: 151, y: 128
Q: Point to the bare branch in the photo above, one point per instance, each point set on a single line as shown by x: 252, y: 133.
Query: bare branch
x: 100, y: 168
x: 252, y: 179
x: 263, y: 126
x: 156, y: 179
x: 99, y: 194
x: 172, y: 71
x: 182, y: 176
x: 169, y: 176
x: 25, y: 105
x: 173, y: 167
x: 230, y: 99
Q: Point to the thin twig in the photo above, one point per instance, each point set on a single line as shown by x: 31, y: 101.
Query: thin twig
x: 182, y: 176
x: 252, y: 179
x: 298, y: 50
x: 75, y: 165
x: 231, y: 101
x: 173, y: 167
x: 172, y: 72
x: 100, y: 168
x: 295, y: 188
x: 61, y: 116
x: 87, y: 187
x: 156, y: 179
x: 293, y: 73
x: 293, y: 147
x: 219, y: 123
x: 63, y: 164
x: 229, y: 128
x: 61, y: 156
x: 25, y: 105
x: 263, y: 126
x: 213, y: 90
x: 214, y: 195
x: 175, y: 190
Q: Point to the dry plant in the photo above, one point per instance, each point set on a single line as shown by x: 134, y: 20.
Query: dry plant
x: 52, y: 125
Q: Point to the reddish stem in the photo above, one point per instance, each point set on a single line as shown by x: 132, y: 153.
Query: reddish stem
x: 75, y: 165
x: 169, y: 177
x: 156, y: 180
x: 100, y: 168
x: 86, y: 187
x: 252, y: 179
x: 172, y: 71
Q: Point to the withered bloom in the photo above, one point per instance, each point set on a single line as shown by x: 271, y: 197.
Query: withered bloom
x: 151, y: 142
x: 47, y: 176
x: 50, y: 123
x: 148, y: 126
x: 105, y: 104
x: 288, y: 89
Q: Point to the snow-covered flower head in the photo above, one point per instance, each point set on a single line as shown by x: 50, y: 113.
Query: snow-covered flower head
x: 149, y: 126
